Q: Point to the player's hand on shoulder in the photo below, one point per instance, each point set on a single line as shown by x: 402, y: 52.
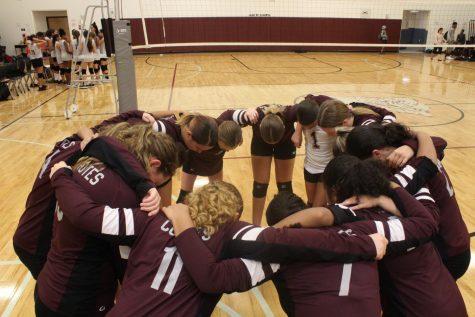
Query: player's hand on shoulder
x: 400, y: 156
x: 380, y: 243
x: 151, y: 202
x: 252, y: 115
x: 58, y: 166
x: 147, y: 117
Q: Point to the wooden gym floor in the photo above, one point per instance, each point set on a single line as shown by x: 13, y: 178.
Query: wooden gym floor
x: 212, y: 82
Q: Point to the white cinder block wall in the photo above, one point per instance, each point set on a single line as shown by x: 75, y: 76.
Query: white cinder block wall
x: 18, y: 13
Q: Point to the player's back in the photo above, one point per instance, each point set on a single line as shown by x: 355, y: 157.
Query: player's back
x: 156, y: 283
x: 80, y: 275
x: 350, y: 289
x: 417, y: 283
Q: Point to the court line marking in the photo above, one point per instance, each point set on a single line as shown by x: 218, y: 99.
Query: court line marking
x: 11, y: 305
x: 31, y: 110
x: 171, y: 88
x: 27, y: 142
x: 10, y: 262
x: 228, y: 310
x: 262, y: 302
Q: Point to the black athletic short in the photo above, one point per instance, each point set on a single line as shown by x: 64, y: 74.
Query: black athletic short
x: 34, y: 263
x: 312, y: 178
x: 103, y: 59
x: 97, y: 62
x: 37, y: 62
x: 284, y: 150
x: 202, y: 164
x: 55, y: 60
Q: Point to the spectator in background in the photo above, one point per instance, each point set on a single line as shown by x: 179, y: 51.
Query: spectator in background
x: 383, y: 37
x: 461, y: 37
x: 439, y: 40
x: 451, y: 40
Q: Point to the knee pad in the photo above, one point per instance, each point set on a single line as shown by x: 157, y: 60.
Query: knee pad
x: 284, y: 187
x: 103, y: 68
x: 259, y: 190
x: 41, y: 75
x: 91, y: 71
x: 83, y: 71
x: 68, y: 70
x: 181, y: 196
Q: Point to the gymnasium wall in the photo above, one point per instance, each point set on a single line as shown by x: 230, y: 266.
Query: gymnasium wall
x: 262, y: 29
x: 18, y: 13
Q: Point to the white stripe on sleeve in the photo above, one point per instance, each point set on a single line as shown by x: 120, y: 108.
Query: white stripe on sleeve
x: 255, y: 271
x: 369, y: 121
x: 380, y: 227
x: 239, y: 232
x: 389, y: 118
x: 345, y: 280
x: 252, y: 234
x: 129, y: 222
x: 110, y: 221
x: 409, y: 171
x: 401, y: 180
x: 396, y: 230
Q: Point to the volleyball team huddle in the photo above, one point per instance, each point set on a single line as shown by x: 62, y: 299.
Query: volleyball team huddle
x: 380, y: 232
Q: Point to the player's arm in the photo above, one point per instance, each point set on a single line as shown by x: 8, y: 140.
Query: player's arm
x: 120, y: 225
x: 285, y: 244
x: 112, y: 153
x: 386, y: 115
x: 417, y: 226
x: 318, y: 99
x: 213, y: 276
x: 209, y: 274
x: 123, y: 117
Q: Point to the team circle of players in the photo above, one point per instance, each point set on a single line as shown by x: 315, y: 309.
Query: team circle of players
x: 82, y: 53
x: 380, y: 231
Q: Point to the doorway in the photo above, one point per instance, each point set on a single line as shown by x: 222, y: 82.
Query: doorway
x: 45, y: 20
x: 414, y: 29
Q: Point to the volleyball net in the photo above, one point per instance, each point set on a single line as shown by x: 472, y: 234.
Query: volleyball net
x: 268, y: 25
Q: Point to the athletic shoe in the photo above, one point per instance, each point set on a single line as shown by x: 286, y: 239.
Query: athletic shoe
x: 43, y: 88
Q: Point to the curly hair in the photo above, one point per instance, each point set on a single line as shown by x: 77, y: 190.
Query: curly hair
x: 213, y: 205
x: 348, y: 176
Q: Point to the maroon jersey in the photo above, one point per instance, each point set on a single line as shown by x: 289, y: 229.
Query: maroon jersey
x: 132, y: 117
x: 156, y: 283
x: 332, y: 288
x: 318, y: 99
x: 32, y: 238
x: 417, y: 283
x: 169, y: 126
x: 210, y: 162
x: 452, y: 229
x: 289, y: 117
x: 384, y: 116
x: 33, y: 234
x: 79, y: 276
